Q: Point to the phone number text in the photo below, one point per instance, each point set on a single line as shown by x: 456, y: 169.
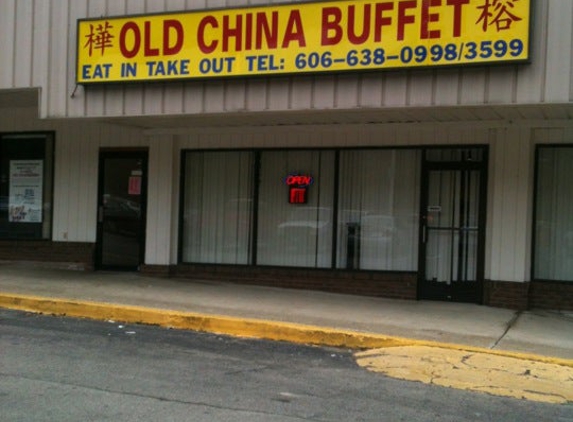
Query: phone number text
x: 412, y: 56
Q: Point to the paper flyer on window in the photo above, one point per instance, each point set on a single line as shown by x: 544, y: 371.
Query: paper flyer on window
x: 26, y: 179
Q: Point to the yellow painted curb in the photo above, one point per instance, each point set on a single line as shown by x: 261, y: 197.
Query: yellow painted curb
x: 242, y: 327
x: 479, y: 372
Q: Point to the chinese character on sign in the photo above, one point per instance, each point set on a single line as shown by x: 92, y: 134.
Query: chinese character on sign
x: 99, y: 38
x: 498, y: 13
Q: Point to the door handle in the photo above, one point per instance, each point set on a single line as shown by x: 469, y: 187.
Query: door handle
x: 100, y: 214
x: 424, y: 223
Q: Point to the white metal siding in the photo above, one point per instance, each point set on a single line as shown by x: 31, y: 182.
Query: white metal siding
x: 38, y: 46
x: 9, y: 40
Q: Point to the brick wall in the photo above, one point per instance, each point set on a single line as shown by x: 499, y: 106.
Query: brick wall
x: 78, y: 254
x: 506, y: 294
x: 551, y: 295
x: 156, y: 270
x: 534, y: 295
x: 394, y: 285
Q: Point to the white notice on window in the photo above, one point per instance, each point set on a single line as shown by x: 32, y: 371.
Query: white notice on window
x: 26, y: 177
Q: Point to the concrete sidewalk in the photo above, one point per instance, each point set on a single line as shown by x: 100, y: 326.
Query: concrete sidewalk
x: 282, y: 314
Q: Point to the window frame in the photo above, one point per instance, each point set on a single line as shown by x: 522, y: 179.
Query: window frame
x: 257, y: 153
x: 536, y: 195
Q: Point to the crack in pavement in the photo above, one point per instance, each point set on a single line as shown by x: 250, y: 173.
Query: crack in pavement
x: 508, y: 327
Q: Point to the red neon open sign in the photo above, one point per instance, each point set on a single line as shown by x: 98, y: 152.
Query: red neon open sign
x: 299, y: 180
x: 298, y: 188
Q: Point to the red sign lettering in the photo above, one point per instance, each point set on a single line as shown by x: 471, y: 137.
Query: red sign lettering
x: 457, y: 4
x: 249, y: 31
x: 428, y: 17
x: 298, y: 180
x: 403, y: 18
x: 169, y: 47
x: 203, y: 45
x: 368, y: 22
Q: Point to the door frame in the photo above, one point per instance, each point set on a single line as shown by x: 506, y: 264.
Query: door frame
x: 455, y: 292
x: 128, y: 153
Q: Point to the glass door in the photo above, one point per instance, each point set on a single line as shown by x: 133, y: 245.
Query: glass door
x: 452, y: 228
x: 121, y: 210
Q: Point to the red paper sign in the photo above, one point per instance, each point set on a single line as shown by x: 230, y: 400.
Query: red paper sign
x: 134, y: 185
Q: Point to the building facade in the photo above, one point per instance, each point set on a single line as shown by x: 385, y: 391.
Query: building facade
x: 401, y: 174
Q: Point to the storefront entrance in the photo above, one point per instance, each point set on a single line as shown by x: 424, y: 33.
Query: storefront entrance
x: 121, y: 210
x: 452, y: 224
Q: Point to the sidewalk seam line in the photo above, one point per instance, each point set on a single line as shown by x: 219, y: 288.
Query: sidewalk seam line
x: 509, y: 326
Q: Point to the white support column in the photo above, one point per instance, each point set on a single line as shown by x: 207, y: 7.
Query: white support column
x: 161, y: 209
x: 510, y: 196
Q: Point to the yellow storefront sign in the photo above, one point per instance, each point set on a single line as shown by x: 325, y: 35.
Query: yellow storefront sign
x: 332, y: 36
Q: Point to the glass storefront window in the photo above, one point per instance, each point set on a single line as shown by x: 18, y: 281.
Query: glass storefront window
x: 26, y: 168
x: 378, y: 210
x: 553, y: 251
x: 290, y: 233
x: 218, y: 207
x: 350, y: 209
